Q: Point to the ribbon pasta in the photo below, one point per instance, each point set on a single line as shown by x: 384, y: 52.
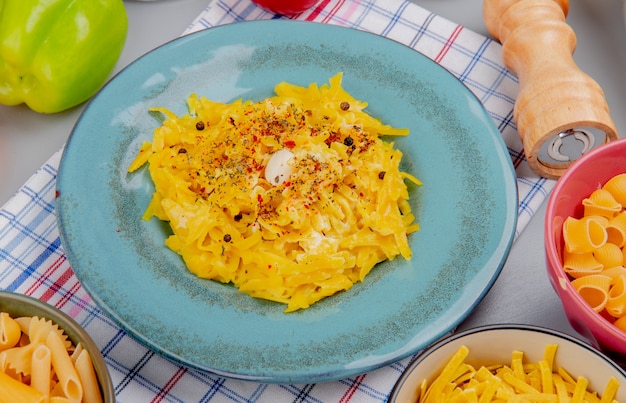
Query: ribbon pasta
x: 291, y: 199
x: 39, y: 364
x: 594, y: 253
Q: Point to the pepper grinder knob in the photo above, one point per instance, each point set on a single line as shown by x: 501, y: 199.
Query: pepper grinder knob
x: 561, y: 113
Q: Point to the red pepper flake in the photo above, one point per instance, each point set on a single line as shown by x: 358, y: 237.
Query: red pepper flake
x: 334, y: 136
x: 259, y: 198
x: 290, y: 144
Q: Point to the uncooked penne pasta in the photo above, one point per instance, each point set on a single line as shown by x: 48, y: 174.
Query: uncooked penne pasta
x: 79, y: 348
x: 12, y: 391
x: 40, y: 369
x: 63, y: 366
x: 87, y: 375
x: 45, y: 361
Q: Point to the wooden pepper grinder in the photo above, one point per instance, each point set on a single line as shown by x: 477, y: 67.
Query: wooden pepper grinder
x: 561, y: 112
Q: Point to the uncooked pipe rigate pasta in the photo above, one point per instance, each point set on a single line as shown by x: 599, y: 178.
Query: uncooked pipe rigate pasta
x: 594, y: 253
x: 581, y: 264
x: 601, y: 203
x: 594, y: 289
x: 616, y: 229
x: 617, y: 187
x: 616, y: 304
x: 584, y: 235
x: 609, y: 254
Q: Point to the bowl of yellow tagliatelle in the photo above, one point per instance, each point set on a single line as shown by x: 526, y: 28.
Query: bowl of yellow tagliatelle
x: 585, y: 245
x: 510, y: 363
x: 45, y: 353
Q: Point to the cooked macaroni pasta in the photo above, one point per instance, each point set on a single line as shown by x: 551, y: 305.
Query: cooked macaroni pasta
x: 291, y: 199
x: 594, y: 252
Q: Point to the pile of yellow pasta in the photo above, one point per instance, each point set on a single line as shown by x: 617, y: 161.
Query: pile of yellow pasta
x: 595, y: 250
x: 291, y: 199
x: 521, y: 382
x: 39, y: 364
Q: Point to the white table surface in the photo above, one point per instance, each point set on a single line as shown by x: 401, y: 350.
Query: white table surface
x: 28, y: 139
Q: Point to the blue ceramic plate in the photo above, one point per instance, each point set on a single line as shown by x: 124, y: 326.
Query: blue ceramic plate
x: 467, y: 207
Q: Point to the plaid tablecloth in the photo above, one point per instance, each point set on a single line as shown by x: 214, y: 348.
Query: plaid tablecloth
x: 32, y: 260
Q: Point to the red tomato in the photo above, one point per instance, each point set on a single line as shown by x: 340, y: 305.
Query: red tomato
x: 286, y: 7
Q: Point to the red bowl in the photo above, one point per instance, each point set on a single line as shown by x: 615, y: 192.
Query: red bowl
x: 286, y: 7
x: 584, y: 176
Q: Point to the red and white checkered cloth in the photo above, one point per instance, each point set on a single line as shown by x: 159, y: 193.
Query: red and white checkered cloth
x: 32, y: 260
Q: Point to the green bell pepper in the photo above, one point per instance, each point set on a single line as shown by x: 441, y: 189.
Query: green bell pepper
x: 55, y: 54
